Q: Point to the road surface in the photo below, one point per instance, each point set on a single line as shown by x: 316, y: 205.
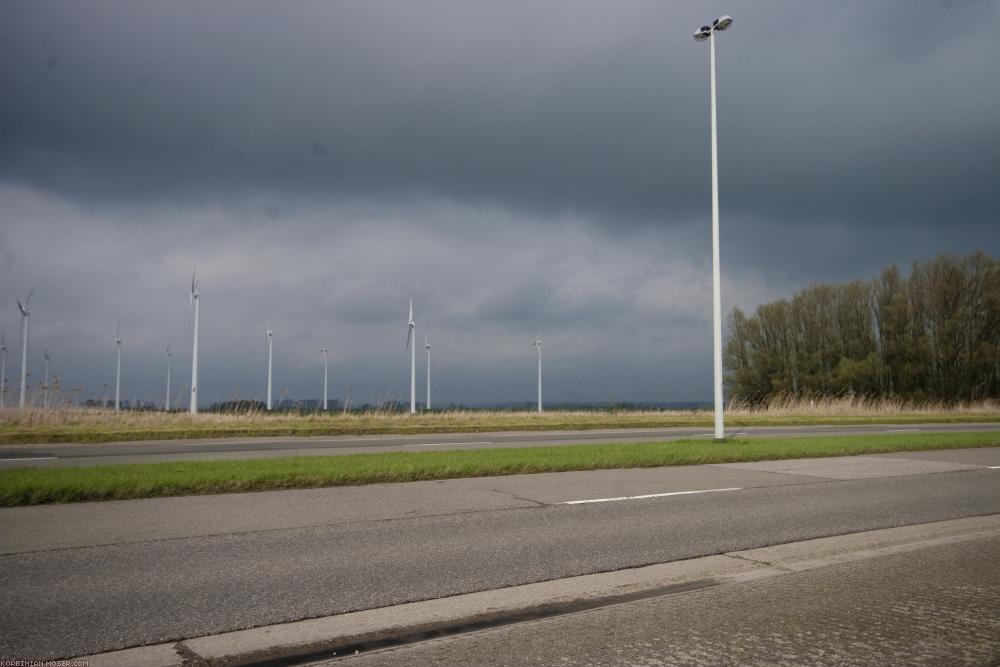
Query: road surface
x: 91, y: 577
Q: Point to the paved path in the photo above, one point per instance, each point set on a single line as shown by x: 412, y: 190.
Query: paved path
x: 69, y: 454
x: 91, y: 577
x: 936, y: 606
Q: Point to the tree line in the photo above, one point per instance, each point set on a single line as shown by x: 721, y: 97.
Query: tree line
x: 932, y: 335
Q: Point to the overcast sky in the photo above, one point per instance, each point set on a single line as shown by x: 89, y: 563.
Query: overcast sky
x: 515, y: 167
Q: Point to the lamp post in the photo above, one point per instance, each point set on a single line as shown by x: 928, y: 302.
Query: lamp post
x: 708, y: 32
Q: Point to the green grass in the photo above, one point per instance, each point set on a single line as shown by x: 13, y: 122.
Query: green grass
x: 30, y: 486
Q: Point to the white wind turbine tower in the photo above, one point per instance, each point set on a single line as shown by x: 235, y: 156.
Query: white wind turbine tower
x: 25, y: 312
x: 413, y: 361
x: 326, y: 374
x: 427, y: 346
x: 269, y: 334
x: 538, y: 344
x: 166, y: 403
x: 45, y: 399
x: 195, y: 294
x: 3, y: 366
x: 118, y: 366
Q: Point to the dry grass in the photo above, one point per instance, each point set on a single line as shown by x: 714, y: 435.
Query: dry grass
x: 101, y: 425
x: 786, y: 405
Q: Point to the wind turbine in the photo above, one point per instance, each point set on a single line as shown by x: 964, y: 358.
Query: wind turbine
x: 269, y: 334
x: 195, y: 293
x: 45, y: 399
x: 413, y: 361
x: 3, y: 366
x: 538, y: 344
x: 326, y: 374
x: 427, y: 346
x: 25, y: 312
x: 166, y: 403
x: 118, y: 366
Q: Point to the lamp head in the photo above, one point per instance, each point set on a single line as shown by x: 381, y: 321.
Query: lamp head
x: 705, y: 31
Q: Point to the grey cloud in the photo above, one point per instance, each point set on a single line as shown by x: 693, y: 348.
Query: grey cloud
x: 579, y: 285
x: 852, y: 111
x: 513, y: 166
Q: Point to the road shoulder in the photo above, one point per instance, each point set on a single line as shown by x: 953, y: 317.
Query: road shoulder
x: 406, y: 624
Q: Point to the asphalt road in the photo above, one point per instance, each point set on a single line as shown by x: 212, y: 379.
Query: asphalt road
x: 93, y: 577
x: 48, y: 455
x: 935, y: 606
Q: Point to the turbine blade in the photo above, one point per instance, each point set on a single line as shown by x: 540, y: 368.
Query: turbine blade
x: 409, y: 335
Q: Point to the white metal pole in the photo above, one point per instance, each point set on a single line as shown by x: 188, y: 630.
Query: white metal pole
x: 326, y: 375
x: 45, y: 399
x: 166, y: 403
x: 118, y: 377
x: 539, y: 377
x: 24, y: 360
x: 716, y: 272
x: 268, y: 369
x: 193, y: 407
x: 413, y: 374
x: 428, y: 406
x: 3, y: 374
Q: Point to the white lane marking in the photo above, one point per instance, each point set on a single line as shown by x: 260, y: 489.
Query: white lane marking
x: 445, y: 444
x: 993, y: 467
x: 648, y: 495
x: 902, y: 430
x: 32, y: 458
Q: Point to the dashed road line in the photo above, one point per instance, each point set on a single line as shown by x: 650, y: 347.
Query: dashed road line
x: 648, y: 495
x: 30, y: 458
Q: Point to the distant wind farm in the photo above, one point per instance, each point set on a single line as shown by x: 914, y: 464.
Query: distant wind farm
x: 44, y: 395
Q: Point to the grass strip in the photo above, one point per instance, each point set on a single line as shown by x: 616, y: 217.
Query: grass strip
x: 32, y: 486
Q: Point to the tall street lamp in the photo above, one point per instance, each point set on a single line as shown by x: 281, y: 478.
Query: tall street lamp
x: 708, y: 32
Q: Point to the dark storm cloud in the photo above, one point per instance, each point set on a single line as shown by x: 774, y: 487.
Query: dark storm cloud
x: 515, y: 167
x: 850, y: 110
